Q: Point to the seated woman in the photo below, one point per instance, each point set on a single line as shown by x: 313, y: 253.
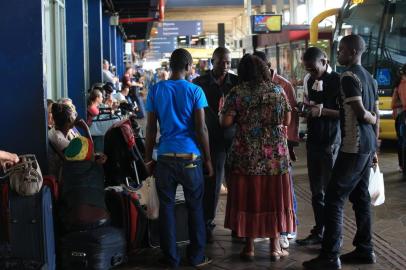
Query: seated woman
x: 126, y: 104
x: 65, y: 119
x: 94, y: 100
x: 82, y: 197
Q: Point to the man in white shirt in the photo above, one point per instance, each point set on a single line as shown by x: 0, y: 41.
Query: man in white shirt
x: 107, y: 75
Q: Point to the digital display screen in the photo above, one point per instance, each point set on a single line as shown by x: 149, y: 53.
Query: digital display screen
x: 383, y: 77
x: 262, y: 24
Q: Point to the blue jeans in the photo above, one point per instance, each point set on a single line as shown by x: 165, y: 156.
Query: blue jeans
x: 349, y: 179
x: 294, y: 199
x: 171, y: 171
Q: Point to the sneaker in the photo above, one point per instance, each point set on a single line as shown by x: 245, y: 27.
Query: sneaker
x: 358, y: 257
x: 312, y: 239
x: 283, y: 241
x: 292, y: 235
x: 206, y: 261
x: 322, y: 263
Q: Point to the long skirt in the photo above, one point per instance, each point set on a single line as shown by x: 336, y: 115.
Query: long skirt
x: 260, y: 206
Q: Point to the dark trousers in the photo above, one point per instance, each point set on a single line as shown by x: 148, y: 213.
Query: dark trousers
x: 350, y: 178
x: 320, y: 162
x: 212, y: 188
x: 171, y: 171
x: 400, y: 133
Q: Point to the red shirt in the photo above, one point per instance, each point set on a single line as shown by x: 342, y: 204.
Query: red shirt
x: 293, y: 128
x: 92, y: 111
x: 127, y: 80
x: 399, y: 98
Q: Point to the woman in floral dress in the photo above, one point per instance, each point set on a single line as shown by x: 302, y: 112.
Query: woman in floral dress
x: 259, y: 202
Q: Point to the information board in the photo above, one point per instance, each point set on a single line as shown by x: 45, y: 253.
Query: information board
x: 180, y: 28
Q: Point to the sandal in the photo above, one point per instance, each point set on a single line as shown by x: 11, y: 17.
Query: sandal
x: 279, y: 254
x: 247, y: 256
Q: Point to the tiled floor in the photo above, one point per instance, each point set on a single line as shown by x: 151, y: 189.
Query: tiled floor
x: 389, y: 229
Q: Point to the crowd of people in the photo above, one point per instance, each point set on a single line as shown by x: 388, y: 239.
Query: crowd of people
x: 240, y: 131
x: 243, y: 128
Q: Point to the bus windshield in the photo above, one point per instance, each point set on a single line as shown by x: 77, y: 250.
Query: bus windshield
x: 382, y: 24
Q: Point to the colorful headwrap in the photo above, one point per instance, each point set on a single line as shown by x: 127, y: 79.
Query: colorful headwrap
x: 80, y: 148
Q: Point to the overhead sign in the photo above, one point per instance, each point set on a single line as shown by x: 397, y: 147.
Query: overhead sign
x: 163, y: 44
x: 180, y: 28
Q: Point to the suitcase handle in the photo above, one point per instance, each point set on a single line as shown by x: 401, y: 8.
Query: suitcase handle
x: 116, y: 260
x: 78, y: 260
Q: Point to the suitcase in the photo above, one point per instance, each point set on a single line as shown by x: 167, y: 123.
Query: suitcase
x: 182, y: 229
x: 127, y: 214
x: 31, y: 231
x: 97, y: 249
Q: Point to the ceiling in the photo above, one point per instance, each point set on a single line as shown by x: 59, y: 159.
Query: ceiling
x: 134, y: 9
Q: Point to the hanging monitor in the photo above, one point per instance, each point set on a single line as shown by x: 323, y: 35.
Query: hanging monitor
x: 266, y: 23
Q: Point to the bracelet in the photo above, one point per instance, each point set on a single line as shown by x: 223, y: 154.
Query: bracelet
x: 321, y: 109
x: 149, y: 162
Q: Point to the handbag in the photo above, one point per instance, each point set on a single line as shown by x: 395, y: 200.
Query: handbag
x: 148, y: 196
x: 376, y: 186
x: 103, y: 121
x: 25, y: 176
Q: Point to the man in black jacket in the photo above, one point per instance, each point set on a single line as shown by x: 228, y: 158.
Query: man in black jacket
x: 323, y: 133
x: 216, y: 84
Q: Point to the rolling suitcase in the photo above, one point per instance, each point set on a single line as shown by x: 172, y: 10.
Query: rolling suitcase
x: 98, y: 249
x: 181, y: 218
x: 30, y: 231
x: 127, y: 214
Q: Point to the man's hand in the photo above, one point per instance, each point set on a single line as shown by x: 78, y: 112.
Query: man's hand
x: 375, y: 160
x: 315, y: 111
x: 150, y: 166
x: 100, y: 158
x: 8, y: 159
x: 209, y: 168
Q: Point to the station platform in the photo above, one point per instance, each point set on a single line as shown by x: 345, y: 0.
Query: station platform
x: 389, y: 227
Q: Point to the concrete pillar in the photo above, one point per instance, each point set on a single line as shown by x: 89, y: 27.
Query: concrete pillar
x: 95, y: 41
x: 221, y: 34
x: 120, y: 54
x: 279, y: 6
x: 268, y: 5
x: 75, y: 55
x: 293, y: 11
x: 23, y: 99
x: 106, y: 37
x: 113, y: 45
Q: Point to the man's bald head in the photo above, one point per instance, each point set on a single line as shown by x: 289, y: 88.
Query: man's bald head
x: 355, y: 43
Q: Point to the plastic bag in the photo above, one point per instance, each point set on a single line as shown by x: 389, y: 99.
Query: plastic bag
x: 376, y: 187
x: 148, y: 196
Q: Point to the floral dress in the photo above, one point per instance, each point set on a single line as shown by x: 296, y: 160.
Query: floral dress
x: 260, y: 145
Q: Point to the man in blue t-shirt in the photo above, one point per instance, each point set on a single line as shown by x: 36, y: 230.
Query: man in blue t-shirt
x: 178, y: 106
x: 350, y: 177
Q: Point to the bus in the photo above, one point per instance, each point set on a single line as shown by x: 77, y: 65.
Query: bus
x: 382, y: 24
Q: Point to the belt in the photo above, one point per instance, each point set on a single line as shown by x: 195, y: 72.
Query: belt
x: 181, y: 155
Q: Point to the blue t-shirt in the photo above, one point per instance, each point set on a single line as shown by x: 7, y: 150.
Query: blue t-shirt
x: 174, y: 103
